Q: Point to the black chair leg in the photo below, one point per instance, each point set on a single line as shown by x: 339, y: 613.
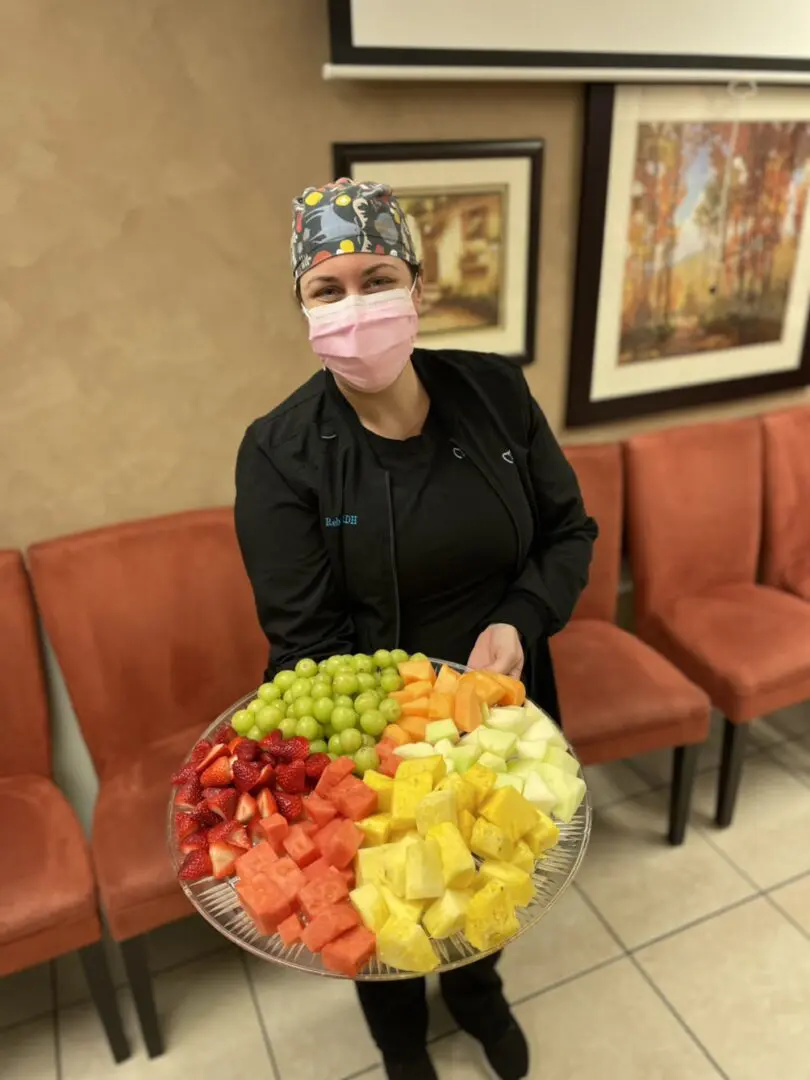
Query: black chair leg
x: 684, y: 769
x: 140, y: 981
x: 735, y: 737
x: 105, y: 999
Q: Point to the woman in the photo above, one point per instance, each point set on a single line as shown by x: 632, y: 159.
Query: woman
x: 403, y: 497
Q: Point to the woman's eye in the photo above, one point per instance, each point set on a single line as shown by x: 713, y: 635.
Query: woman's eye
x: 379, y: 282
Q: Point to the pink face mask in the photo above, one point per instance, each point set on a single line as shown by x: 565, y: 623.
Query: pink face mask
x: 365, y: 340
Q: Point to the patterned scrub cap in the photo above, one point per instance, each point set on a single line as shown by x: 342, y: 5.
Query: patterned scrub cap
x: 348, y: 216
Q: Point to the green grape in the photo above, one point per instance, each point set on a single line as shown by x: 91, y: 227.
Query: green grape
x: 390, y: 681
x: 369, y: 740
x: 322, y: 708
x: 242, y: 722
x: 390, y: 710
x: 418, y: 656
x: 287, y: 697
x: 328, y: 731
x: 373, y: 722
x: 287, y: 727
x: 343, y: 718
x: 269, y: 718
x: 317, y: 746
x: 350, y: 740
x: 333, y: 664
x: 378, y: 675
x: 301, y: 688
x: 255, y: 705
x: 334, y: 745
x: 365, y: 681
x: 284, y: 680
x: 306, y: 669
x: 269, y: 693
x: 366, y: 758
x: 307, y: 727
x: 322, y: 666
x: 321, y: 687
x: 363, y: 663
x: 289, y: 710
x: 255, y: 733
x: 344, y: 701
x: 382, y: 658
x: 368, y: 700
x: 398, y: 656
x: 303, y: 706
x: 345, y: 682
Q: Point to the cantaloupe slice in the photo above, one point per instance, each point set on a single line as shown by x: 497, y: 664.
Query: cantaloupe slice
x: 489, y: 690
x: 468, y: 707
x: 446, y: 681
x: 395, y: 733
x: 412, y: 691
x: 416, y: 708
x: 515, y: 690
x: 417, y: 671
x: 415, y: 727
x: 440, y: 706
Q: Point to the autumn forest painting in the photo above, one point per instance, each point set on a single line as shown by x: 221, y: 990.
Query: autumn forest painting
x: 715, y: 222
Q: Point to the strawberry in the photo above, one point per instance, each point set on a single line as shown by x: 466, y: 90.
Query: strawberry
x: 266, y: 803
x: 197, y: 841
x: 196, y: 865
x: 289, y: 806
x: 213, y: 754
x: 247, y: 750
x: 246, y: 774
x: 203, y: 815
x: 188, y: 795
x: 292, y: 778
x: 223, y: 859
x: 184, y: 774
x: 224, y: 734
x: 255, y: 831
x: 239, y: 837
x: 246, y: 809
x: 315, y: 764
x: 294, y: 749
x: 231, y: 832
x: 266, y: 774
x: 271, y: 740
x: 199, y: 751
x: 219, y: 774
x: 184, y: 825
x: 223, y: 803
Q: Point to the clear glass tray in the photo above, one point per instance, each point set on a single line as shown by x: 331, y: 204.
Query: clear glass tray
x: 217, y: 901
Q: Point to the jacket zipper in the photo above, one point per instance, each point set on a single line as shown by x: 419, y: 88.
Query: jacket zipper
x: 392, y: 550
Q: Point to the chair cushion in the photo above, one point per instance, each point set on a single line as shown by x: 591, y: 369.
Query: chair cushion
x: 47, y: 877
x: 618, y: 697
x: 138, y: 886
x: 796, y: 579
x: 748, y: 646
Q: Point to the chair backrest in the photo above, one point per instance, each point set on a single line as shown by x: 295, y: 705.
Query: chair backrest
x: 694, y: 511
x: 599, y: 471
x: 23, y: 698
x: 786, y: 541
x: 153, y: 624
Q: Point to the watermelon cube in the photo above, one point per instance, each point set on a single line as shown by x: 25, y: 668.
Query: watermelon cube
x: 309, y: 827
x: 331, y: 776
x: 319, y: 810
x: 316, y: 869
x: 265, y: 903
x: 354, y: 799
x: 350, y: 952
x: 256, y: 861
x: 299, y: 846
x: 328, y: 925
x: 275, y: 829
x: 388, y: 766
x: 328, y: 889
x: 323, y: 836
x: 288, y: 877
x: 341, y: 847
x: 290, y: 930
x: 348, y: 876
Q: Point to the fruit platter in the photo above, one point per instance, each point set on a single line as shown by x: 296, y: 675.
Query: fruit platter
x: 378, y: 817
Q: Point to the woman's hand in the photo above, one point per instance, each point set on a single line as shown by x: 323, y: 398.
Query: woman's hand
x: 498, y: 649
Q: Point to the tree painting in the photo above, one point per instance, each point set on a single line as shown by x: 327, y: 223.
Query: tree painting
x: 716, y: 217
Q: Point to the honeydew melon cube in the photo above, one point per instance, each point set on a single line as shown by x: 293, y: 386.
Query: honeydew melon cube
x: 437, y: 730
x: 507, y: 809
x: 370, y: 905
x: 521, y: 767
x: 523, y: 857
x: 446, y: 916
x: 511, y: 718
x: 405, y: 945
x: 501, y: 743
x: 543, y: 836
x: 494, y: 762
x: 424, y: 877
x: 443, y: 747
x: 543, y: 727
x: 562, y: 760
x: 458, y: 865
x: 538, y: 793
x: 508, y: 779
x: 464, y: 756
x: 569, y: 791
x: 532, y: 751
x: 517, y: 882
x: 435, y: 808
x: 414, y: 750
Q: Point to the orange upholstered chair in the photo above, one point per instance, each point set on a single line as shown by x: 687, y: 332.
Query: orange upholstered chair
x: 695, y: 498
x: 617, y: 696
x: 155, y: 630
x: 47, y: 894
x: 786, y: 543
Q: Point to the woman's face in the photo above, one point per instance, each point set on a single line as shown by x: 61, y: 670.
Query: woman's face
x: 358, y: 274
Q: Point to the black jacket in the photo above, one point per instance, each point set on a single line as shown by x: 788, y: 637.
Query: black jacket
x: 306, y: 468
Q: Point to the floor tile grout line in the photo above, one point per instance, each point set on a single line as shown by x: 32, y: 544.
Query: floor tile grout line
x: 635, y: 949
x: 786, y: 914
x: 268, y: 1044
x: 788, y: 881
x: 566, y: 980
x: 57, y: 1031
x: 802, y: 776
x: 677, y: 1016
x: 709, y: 837
x: 595, y: 910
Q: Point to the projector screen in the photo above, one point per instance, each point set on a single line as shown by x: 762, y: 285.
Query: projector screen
x: 576, y: 39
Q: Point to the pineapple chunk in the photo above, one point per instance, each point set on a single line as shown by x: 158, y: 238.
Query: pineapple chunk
x: 490, y: 841
x: 371, y: 907
x: 405, y: 945
x: 408, y: 793
x: 523, y: 857
x: 424, y: 878
x: 517, y: 883
x: 402, y: 909
x: 383, y: 785
x: 507, y: 809
x: 369, y: 864
x: 491, y: 918
x: 395, y: 863
x: 446, y: 916
x: 482, y: 779
x: 466, y: 796
x: 433, y: 765
x: 466, y: 822
x: 375, y: 829
x: 543, y: 835
x: 435, y: 808
x: 397, y: 835
x: 458, y: 865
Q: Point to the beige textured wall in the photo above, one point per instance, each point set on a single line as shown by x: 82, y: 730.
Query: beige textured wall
x: 148, y: 153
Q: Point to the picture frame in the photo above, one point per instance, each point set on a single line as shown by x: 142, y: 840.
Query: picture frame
x: 692, y: 282
x: 474, y: 211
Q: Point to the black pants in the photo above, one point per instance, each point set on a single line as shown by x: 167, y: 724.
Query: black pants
x: 397, y: 1013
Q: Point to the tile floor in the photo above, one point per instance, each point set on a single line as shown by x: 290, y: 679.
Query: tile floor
x: 659, y: 964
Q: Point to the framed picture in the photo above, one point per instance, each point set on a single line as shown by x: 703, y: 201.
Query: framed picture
x: 693, y: 265
x: 474, y: 212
